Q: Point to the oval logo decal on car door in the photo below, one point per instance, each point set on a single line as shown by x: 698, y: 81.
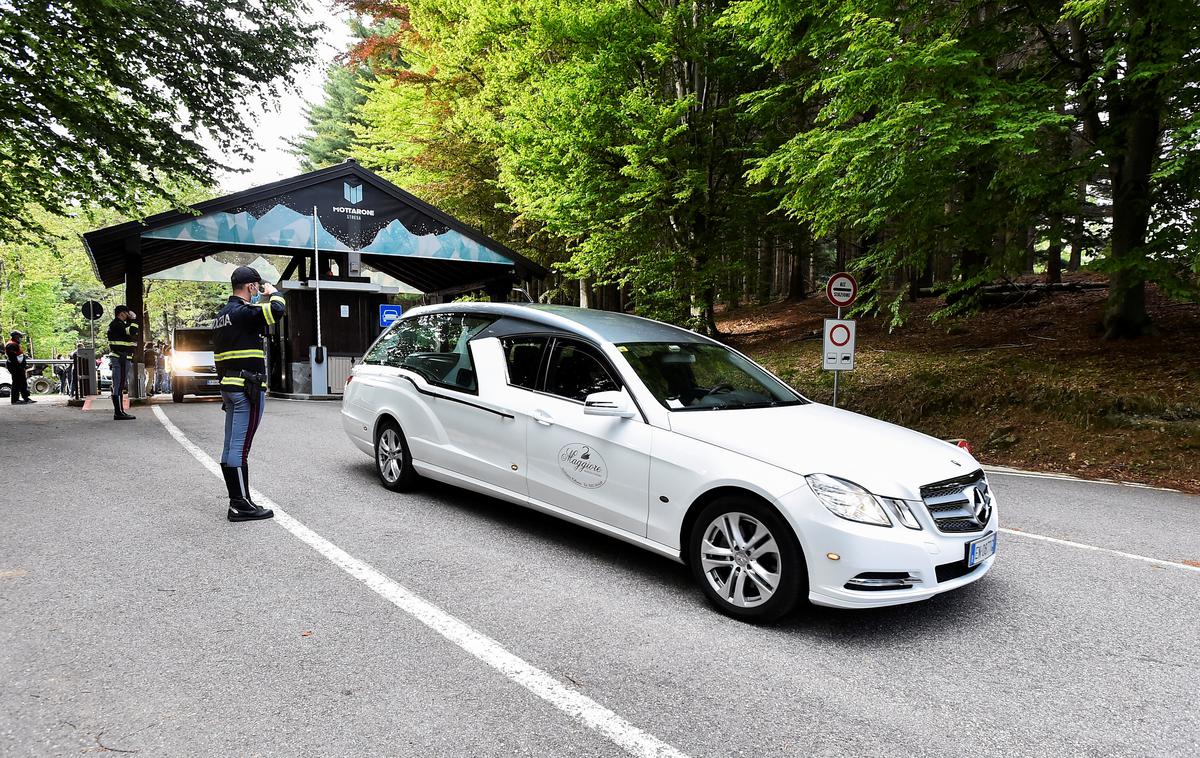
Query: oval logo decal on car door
x: 583, y: 465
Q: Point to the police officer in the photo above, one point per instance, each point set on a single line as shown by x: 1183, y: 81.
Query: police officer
x: 15, y: 360
x: 122, y: 339
x: 238, y: 332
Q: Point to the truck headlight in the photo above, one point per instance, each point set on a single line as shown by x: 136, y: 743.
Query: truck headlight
x: 847, y: 500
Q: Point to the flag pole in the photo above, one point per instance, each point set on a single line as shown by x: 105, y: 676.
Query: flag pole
x: 317, y: 272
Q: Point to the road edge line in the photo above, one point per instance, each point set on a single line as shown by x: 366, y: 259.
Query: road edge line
x: 1005, y: 471
x: 578, y: 706
x: 1084, y: 546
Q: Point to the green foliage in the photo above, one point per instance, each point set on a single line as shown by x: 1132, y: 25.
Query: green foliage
x: 103, y: 100
x: 665, y: 146
x: 333, y: 122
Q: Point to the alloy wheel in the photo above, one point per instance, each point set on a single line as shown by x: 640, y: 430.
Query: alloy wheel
x: 390, y: 456
x: 740, y: 559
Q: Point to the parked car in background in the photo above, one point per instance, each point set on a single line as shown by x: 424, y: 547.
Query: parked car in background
x: 105, y: 371
x: 5, y: 382
x: 675, y: 443
x: 193, y: 368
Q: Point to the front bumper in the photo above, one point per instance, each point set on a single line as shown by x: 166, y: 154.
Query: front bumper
x: 880, y: 551
x: 196, y: 384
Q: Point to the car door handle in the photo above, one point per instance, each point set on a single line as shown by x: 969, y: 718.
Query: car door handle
x: 543, y: 418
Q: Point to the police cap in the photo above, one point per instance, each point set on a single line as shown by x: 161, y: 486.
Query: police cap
x: 245, y: 275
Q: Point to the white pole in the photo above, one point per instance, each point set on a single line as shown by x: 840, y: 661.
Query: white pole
x: 836, y: 373
x: 317, y: 270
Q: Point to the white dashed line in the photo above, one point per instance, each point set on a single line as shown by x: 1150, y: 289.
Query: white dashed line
x: 583, y: 709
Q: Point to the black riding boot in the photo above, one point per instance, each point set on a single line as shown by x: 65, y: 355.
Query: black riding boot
x: 119, y: 413
x: 240, y: 507
x: 245, y: 472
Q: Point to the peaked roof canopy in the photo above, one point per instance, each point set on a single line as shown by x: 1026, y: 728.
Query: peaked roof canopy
x: 343, y: 208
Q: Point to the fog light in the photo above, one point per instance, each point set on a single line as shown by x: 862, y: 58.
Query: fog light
x: 833, y: 556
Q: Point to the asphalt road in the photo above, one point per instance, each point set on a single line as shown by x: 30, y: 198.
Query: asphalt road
x: 134, y: 618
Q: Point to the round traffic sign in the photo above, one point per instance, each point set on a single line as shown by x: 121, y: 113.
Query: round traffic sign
x: 839, y: 335
x: 92, y: 310
x: 842, y: 290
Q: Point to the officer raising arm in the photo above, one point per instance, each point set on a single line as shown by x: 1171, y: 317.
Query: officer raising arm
x: 122, y: 339
x: 238, y: 332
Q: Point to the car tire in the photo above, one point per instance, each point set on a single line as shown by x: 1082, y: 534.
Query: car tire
x: 762, y: 575
x: 393, y: 461
x: 177, y: 396
x: 5, y: 390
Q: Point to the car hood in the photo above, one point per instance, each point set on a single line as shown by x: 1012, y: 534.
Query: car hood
x: 888, y: 460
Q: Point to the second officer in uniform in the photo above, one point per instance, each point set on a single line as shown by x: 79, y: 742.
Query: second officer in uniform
x: 238, y: 332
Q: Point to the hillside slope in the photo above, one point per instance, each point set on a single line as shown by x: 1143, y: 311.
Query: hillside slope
x: 1031, y: 386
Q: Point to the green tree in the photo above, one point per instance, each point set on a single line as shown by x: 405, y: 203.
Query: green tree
x: 100, y: 100
x: 333, y: 122
x: 948, y: 130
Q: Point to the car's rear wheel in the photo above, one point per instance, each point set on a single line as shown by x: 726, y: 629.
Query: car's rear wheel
x: 747, y: 560
x: 393, y: 462
x: 177, y: 396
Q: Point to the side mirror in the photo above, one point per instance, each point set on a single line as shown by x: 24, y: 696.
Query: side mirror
x: 613, y: 403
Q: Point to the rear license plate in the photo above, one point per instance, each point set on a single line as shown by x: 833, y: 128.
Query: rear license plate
x: 980, y: 550
x: 212, y: 382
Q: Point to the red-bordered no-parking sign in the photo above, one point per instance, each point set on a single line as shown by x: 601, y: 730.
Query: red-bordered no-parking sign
x: 842, y: 289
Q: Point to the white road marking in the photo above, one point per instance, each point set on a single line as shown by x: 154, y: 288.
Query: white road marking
x: 1003, y: 471
x: 581, y: 708
x: 1083, y: 546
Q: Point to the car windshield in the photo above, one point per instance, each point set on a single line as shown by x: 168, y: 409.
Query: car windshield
x: 692, y: 376
x: 195, y: 340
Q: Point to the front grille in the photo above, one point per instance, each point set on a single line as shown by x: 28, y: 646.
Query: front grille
x: 959, y: 505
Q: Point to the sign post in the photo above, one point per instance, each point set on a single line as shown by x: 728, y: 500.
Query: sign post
x: 92, y: 310
x: 838, y: 350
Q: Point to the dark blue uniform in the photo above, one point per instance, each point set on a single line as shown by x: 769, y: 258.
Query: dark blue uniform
x: 122, y: 340
x: 238, y: 332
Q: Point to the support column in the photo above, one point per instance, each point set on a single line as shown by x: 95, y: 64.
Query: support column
x: 134, y: 300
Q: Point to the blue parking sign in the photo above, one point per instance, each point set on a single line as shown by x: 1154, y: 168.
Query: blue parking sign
x: 389, y: 313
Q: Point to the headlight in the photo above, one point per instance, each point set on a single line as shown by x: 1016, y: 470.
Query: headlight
x: 847, y: 500
x: 182, y: 364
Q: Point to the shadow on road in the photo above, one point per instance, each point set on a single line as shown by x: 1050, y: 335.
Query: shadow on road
x: 866, y: 626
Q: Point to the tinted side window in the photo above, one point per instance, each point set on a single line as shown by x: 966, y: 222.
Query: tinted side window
x: 576, y: 372
x: 435, y: 346
x: 524, y: 357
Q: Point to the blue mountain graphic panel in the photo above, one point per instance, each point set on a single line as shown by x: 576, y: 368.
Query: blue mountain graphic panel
x: 349, y: 217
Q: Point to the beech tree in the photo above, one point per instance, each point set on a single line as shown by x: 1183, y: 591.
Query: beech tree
x: 110, y: 101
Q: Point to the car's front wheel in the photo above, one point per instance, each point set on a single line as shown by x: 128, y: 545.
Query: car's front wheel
x: 746, y: 559
x: 393, y: 462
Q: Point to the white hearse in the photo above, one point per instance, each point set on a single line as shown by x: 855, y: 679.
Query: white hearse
x: 677, y: 444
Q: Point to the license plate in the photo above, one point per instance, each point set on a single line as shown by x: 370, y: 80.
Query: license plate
x: 212, y: 382
x: 980, y: 550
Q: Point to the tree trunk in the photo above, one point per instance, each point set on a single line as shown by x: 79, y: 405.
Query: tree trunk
x: 584, y: 294
x: 802, y: 257
x: 1054, y: 253
x: 762, y: 293
x: 1136, y: 119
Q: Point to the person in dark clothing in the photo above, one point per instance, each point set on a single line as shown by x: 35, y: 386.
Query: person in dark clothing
x: 17, y: 364
x: 73, y: 369
x: 150, y: 358
x: 122, y: 340
x: 238, y: 332
x: 64, y: 386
